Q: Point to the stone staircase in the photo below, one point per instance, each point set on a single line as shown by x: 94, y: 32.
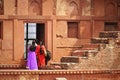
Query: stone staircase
x: 89, y: 51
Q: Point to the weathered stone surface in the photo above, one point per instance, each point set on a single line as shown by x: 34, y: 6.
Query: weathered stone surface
x: 108, y: 58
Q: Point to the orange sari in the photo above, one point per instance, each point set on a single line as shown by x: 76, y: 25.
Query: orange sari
x: 41, y: 57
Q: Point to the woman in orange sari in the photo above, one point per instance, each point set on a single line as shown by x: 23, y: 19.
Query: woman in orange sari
x: 40, y: 55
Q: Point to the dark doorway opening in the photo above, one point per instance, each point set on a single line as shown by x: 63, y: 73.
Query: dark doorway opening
x: 40, y: 32
x: 33, y: 31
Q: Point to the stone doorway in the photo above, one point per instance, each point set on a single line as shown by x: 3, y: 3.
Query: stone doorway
x: 33, y: 31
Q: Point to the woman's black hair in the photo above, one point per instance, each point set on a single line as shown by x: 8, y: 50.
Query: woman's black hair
x: 33, y: 42
x: 37, y: 41
x: 32, y: 47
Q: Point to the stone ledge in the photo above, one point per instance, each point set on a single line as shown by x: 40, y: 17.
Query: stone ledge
x: 30, y: 17
x: 11, y: 66
x: 47, y: 72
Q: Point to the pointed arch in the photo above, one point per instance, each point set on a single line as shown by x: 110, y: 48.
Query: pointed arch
x: 1, y: 7
x: 34, y: 7
x: 72, y: 9
x: 111, y: 9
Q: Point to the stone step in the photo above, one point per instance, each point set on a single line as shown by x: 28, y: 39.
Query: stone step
x: 85, y: 52
x: 63, y: 65
x: 70, y: 59
x: 90, y: 46
x: 109, y: 34
x: 80, y: 53
x: 100, y: 40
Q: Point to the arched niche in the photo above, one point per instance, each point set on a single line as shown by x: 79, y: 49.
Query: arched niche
x: 86, y: 7
x: 111, y: 9
x: 34, y: 7
x: 61, y: 7
x: 72, y: 9
x: 1, y: 7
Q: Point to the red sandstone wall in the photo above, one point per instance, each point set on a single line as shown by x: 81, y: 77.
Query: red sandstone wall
x: 7, y: 42
x: 91, y: 15
x: 9, y: 8
x: 98, y: 26
x: 99, y: 8
x: 85, y: 30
